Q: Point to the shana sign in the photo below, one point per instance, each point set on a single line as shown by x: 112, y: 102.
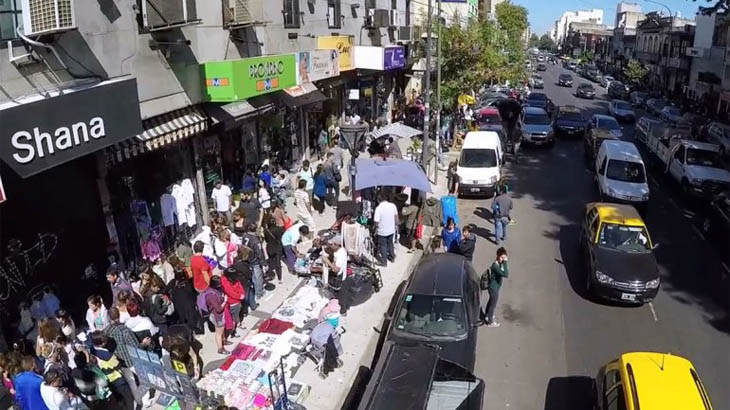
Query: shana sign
x: 43, y: 134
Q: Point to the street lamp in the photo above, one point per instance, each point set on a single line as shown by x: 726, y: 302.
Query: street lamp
x: 353, y: 134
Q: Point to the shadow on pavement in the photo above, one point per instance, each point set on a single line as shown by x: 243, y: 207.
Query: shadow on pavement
x: 569, y: 393
x: 357, y: 390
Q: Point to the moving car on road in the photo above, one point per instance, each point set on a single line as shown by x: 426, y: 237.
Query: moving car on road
x: 650, y: 381
x: 536, y: 127
x: 719, y: 134
x: 618, y: 90
x: 671, y: 114
x: 644, y: 126
x: 608, y: 123
x: 621, y: 110
x: 654, y: 106
x: 618, y: 254
x: 536, y: 81
x: 606, y: 81
x: 572, y: 65
x: 569, y: 122
x: 621, y: 175
x: 565, y: 80
x: 585, y: 90
x: 540, y: 100
x: 480, y: 163
x: 541, y: 67
x: 439, y: 305
x: 638, y: 99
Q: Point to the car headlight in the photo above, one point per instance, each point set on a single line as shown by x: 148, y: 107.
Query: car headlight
x: 695, y: 181
x: 652, y: 284
x: 645, y: 196
x: 493, y: 179
x: 603, y: 278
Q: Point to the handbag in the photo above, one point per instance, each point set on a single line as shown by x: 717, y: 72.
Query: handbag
x: 485, y: 279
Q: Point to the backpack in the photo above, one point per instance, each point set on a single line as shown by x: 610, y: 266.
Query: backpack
x: 485, y: 278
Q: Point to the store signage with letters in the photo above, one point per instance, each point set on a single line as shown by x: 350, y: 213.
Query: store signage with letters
x: 394, y: 58
x: 42, y: 134
x: 317, y: 65
x: 369, y: 57
x: 236, y: 80
x: 344, y: 46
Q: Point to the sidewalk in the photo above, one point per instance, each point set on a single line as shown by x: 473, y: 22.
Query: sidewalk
x: 359, y: 340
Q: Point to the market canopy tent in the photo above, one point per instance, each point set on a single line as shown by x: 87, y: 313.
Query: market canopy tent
x: 398, y: 129
x: 390, y: 172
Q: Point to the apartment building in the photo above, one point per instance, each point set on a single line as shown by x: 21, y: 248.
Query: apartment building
x: 562, y: 25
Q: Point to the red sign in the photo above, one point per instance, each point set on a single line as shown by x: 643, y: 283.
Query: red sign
x: 2, y: 192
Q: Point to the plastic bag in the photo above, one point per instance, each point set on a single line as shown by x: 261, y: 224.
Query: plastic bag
x: 448, y: 209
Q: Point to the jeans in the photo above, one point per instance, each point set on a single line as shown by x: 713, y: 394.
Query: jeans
x: 290, y: 255
x: 386, y: 249
x: 275, y: 264
x: 250, y: 299
x: 491, y: 304
x: 500, y: 229
x: 258, y: 280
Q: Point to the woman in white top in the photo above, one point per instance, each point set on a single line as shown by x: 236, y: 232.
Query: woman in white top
x: 138, y: 323
x: 96, y: 315
x: 264, y: 196
x: 54, y: 397
x: 68, y: 327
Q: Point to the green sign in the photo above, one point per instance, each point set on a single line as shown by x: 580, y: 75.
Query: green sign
x: 237, y: 80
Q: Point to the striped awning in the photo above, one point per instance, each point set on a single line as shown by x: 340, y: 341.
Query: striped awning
x: 161, y: 131
x: 398, y: 129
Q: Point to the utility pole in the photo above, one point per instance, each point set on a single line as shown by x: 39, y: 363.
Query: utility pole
x: 438, y: 97
x: 427, y: 79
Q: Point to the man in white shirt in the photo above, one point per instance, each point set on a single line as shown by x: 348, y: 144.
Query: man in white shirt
x: 337, y: 263
x: 303, y: 202
x: 222, y: 197
x: 386, y: 219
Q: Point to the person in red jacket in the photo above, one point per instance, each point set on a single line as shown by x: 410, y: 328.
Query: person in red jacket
x: 234, y: 292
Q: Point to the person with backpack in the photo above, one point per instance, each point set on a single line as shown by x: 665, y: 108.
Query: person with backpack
x: 501, y: 206
x: 491, y: 281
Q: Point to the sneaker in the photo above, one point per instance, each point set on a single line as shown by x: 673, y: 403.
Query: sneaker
x: 147, y: 400
x: 493, y: 324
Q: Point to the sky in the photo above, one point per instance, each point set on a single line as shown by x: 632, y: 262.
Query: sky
x: 543, y: 13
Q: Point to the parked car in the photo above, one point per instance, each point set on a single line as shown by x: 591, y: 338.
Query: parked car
x: 572, y: 65
x: 621, y: 175
x: 606, y: 80
x: 654, y: 106
x: 570, y: 122
x: 565, y: 80
x: 618, y: 90
x: 638, y: 98
x: 536, y: 127
x: 488, y: 119
x: 439, y: 305
x: 540, y: 100
x: 528, y: 64
x: 607, y: 123
x: 541, y: 67
x: 671, y: 114
x: 644, y: 126
x: 618, y: 254
x: 719, y: 134
x: 585, y: 90
x: 480, y: 163
x: 621, y: 110
x: 536, y: 81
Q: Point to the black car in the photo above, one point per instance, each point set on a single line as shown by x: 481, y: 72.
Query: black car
x: 569, y: 122
x: 439, y: 305
x: 618, y: 90
x: 565, y: 80
x: 585, y: 90
x: 540, y: 100
x: 541, y: 67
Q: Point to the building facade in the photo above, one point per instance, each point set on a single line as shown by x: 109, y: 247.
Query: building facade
x: 587, y: 37
x: 710, y: 75
x: 562, y: 25
x: 623, y: 41
x: 452, y: 11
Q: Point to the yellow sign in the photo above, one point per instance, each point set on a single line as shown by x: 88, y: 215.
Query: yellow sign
x: 466, y: 99
x: 345, y: 47
x: 179, y: 367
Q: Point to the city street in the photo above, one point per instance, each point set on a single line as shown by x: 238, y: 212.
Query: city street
x: 553, y: 337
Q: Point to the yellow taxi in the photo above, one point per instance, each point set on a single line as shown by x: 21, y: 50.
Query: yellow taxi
x: 650, y: 381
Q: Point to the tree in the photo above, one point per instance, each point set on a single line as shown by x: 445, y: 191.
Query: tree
x: 718, y: 6
x: 546, y: 43
x: 534, y: 40
x: 635, y: 72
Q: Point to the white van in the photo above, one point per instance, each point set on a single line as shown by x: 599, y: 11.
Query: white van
x: 621, y: 175
x: 480, y: 163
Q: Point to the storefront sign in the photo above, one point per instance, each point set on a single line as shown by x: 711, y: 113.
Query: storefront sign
x: 235, y: 80
x: 40, y: 135
x: 353, y: 94
x: 394, y: 58
x: 368, y: 57
x: 344, y: 46
x: 317, y: 65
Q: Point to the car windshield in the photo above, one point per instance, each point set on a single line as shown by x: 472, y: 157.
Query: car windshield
x: 620, y: 105
x: 571, y: 116
x: 536, y: 77
x: 608, y: 124
x: 429, y: 315
x: 624, y: 238
x: 566, y: 77
x: 537, y: 119
x: 585, y: 87
x: 703, y: 157
x: 537, y: 97
x: 625, y: 171
x: 478, y: 158
x: 488, y: 119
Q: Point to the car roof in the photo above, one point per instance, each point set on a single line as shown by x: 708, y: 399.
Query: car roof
x: 603, y: 117
x: 535, y: 111
x: 568, y: 108
x: 542, y: 96
x: 565, y: 75
x: 488, y: 111
x: 622, y: 150
x: 662, y: 381
x: 705, y: 146
x: 439, y: 274
x: 617, y: 213
x: 585, y: 85
x: 481, y: 139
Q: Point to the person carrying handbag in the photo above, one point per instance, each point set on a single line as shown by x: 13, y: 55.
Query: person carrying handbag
x: 491, y: 282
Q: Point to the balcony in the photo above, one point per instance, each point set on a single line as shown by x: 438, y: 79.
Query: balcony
x: 676, y: 62
x: 242, y: 13
x: 647, y: 57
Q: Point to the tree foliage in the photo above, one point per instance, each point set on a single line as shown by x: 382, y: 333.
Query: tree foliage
x: 635, y: 72
x: 546, y: 43
x: 719, y: 6
x: 534, y: 40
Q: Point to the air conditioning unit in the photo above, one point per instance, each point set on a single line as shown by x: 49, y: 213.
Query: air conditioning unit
x: 244, y: 12
x: 369, y: 4
x: 165, y: 14
x: 47, y: 16
x: 381, y: 18
x: 404, y: 33
x: 695, y: 51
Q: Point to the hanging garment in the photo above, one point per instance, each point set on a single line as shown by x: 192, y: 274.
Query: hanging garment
x: 189, y: 196
x: 179, y: 194
x: 168, y: 205
x: 432, y: 212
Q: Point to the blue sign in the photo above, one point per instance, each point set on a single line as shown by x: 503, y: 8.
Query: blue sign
x: 394, y: 58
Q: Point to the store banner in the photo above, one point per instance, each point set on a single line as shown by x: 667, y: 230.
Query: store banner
x: 236, y: 80
x: 369, y: 57
x: 394, y: 58
x: 344, y: 46
x: 40, y: 135
x: 317, y: 65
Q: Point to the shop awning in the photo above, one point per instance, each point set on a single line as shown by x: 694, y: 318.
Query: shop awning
x: 371, y: 172
x: 161, y: 131
x: 398, y: 129
x: 230, y: 114
x: 301, y: 95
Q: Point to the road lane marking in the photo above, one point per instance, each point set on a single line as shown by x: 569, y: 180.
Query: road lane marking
x: 653, y: 312
x: 698, y: 232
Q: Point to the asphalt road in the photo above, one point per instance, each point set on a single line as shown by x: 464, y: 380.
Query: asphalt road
x: 553, y: 338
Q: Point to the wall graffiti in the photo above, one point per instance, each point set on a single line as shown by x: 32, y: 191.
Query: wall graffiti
x: 20, y: 263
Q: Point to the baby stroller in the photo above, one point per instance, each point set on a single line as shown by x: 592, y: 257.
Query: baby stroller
x: 324, y: 347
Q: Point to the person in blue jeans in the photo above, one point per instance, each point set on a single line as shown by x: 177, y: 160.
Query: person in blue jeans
x: 501, y: 207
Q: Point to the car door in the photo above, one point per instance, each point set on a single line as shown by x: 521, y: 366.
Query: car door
x: 601, y: 165
x: 677, y: 163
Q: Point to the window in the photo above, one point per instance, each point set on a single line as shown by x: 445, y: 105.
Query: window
x: 291, y: 14
x: 679, y: 155
x: 394, y: 4
x: 603, y: 166
x: 478, y: 158
x: 432, y: 316
x: 334, y: 15
x: 625, y: 171
x: 10, y: 18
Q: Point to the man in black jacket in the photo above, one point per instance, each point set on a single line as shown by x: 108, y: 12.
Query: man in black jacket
x: 467, y: 243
